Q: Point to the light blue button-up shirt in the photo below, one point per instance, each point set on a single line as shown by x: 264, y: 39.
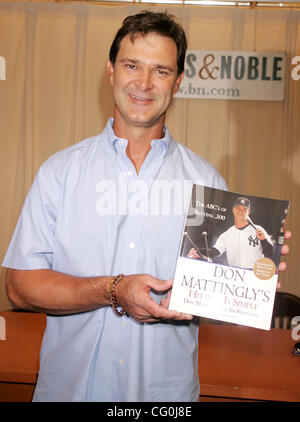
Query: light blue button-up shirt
x: 88, y: 214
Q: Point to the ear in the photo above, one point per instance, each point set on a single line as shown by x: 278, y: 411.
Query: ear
x: 178, y: 82
x: 110, y: 70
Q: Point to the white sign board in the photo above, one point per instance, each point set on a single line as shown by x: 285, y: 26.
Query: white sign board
x: 233, y: 75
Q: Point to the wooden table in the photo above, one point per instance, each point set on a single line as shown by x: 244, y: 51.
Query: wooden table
x: 247, y: 363
x: 234, y: 362
x: 19, y: 354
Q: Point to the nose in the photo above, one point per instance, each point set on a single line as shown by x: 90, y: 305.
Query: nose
x: 144, y: 80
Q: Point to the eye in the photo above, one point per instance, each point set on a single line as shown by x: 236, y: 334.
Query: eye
x: 162, y: 72
x: 130, y: 66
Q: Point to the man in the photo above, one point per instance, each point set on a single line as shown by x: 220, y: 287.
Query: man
x: 98, y: 266
x: 243, y: 243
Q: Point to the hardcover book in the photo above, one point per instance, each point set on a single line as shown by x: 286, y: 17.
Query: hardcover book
x: 227, y: 267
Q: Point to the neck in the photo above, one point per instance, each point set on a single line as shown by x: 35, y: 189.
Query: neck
x: 240, y: 224
x: 139, y: 140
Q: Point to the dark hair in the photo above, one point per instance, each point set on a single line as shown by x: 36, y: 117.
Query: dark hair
x: 146, y: 22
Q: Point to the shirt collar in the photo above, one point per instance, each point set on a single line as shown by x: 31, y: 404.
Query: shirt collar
x: 163, y: 143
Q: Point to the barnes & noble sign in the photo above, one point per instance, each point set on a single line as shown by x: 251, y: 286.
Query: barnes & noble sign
x: 233, y: 75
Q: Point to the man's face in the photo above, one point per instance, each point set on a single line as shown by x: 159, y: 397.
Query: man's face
x: 144, y: 79
x: 240, y: 213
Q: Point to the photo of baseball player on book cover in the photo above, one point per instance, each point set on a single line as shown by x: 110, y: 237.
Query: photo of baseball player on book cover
x: 229, y: 255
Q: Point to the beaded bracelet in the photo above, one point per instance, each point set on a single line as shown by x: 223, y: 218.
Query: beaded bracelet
x: 113, y: 300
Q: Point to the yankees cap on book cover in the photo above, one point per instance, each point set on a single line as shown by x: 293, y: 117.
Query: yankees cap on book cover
x: 242, y: 201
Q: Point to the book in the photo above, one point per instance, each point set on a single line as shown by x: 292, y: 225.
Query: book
x: 227, y: 266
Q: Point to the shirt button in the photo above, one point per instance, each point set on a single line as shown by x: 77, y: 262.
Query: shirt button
x: 121, y: 362
x: 131, y: 245
x: 124, y: 324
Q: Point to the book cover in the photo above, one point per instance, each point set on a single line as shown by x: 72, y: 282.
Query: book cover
x: 230, y: 250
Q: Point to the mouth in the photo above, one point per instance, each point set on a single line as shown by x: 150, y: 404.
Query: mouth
x: 140, y: 99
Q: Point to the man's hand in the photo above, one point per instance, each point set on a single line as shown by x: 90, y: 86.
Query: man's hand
x: 285, y: 250
x: 133, y: 294
x: 193, y: 254
x: 260, y: 234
